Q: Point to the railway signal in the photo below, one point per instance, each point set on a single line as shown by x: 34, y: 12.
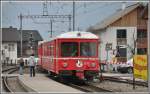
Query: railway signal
x: 31, y: 40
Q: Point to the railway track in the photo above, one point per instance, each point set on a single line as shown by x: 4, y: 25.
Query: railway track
x: 11, y: 83
x: 9, y: 70
x: 89, y: 88
x: 119, y: 80
x: 85, y: 87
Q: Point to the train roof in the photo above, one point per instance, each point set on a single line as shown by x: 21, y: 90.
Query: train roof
x: 40, y: 42
x: 77, y: 34
x: 74, y: 35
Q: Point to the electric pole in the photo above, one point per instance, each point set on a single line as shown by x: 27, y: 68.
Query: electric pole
x: 53, y: 18
x: 148, y: 47
x: 20, y: 34
x: 73, y: 15
x: 51, y: 24
x: 45, y: 10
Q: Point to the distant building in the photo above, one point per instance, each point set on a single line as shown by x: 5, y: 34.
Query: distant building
x: 10, y: 38
x: 28, y: 36
x: 119, y: 29
x: 11, y: 43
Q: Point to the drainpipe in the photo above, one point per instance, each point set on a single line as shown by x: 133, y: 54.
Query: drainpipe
x: 148, y: 47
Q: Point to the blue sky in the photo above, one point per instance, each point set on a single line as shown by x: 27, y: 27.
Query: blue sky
x: 87, y: 14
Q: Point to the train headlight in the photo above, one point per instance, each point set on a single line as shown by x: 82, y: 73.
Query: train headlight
x: 79, y: 64
x: 65, y: 64
x: 93, y: 64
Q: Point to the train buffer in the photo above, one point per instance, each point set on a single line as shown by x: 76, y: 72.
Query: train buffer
x: 40, y: 83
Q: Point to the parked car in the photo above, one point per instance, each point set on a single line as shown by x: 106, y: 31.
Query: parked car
x: 126, y: 68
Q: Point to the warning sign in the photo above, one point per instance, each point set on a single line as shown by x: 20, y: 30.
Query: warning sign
x: 140, y: 66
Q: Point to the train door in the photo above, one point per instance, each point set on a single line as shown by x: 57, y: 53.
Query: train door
x: 40, y: 54
x: 51, y: 48
x: 43, y: 56
x: 56, y: 54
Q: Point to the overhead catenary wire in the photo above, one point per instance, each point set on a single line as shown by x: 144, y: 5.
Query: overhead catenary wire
x: 92, y: 10
x: 84, y: 6
x: 51, y: 17
x: 87, y: 4
x: 36, y: 22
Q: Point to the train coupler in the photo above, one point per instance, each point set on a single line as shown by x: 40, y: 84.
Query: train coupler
x: 80, y: 74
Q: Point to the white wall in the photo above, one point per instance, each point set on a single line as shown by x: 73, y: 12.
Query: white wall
x: 109, y: 35
x: 130, y: 40
x: 11, y: 54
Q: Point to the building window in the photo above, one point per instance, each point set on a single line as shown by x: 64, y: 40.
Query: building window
x: 11, y: 47
x: 141, y: 33
x: 141, y: 51
x: 121, y: 37
x: 3, y: 52
x: 121, y: 52
x: 5, y: 46
x: 121, y: 33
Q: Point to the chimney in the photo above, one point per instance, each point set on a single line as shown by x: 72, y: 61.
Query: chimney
x: 10, y: 27
x: 123, y: 5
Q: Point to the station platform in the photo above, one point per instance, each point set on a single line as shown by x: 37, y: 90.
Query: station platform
x: 42, y: 84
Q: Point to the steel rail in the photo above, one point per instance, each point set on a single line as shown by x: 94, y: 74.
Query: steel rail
x: 127, y: 81
x: 5, y: 80
x: 4, y: 70
x: 7, y: 88
x: 89, y: 88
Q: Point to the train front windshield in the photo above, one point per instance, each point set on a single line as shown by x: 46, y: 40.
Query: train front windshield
x: 88, y: 49
x: 71, y: 49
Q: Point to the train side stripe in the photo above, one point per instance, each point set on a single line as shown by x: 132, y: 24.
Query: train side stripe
x: 72, y: 58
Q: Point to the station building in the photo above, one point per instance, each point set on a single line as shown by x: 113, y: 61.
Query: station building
x: 125, y: 30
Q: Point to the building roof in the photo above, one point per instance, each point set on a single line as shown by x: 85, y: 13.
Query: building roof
x: 10, y: 34
x: 27, y: 33
x: 13, y: 35
x: 117, y: 15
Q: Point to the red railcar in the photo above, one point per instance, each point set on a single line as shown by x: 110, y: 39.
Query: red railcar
x: 71, y: 54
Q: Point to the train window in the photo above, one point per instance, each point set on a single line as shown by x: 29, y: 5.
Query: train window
x: 87, y: 49
x: 69, y: 49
